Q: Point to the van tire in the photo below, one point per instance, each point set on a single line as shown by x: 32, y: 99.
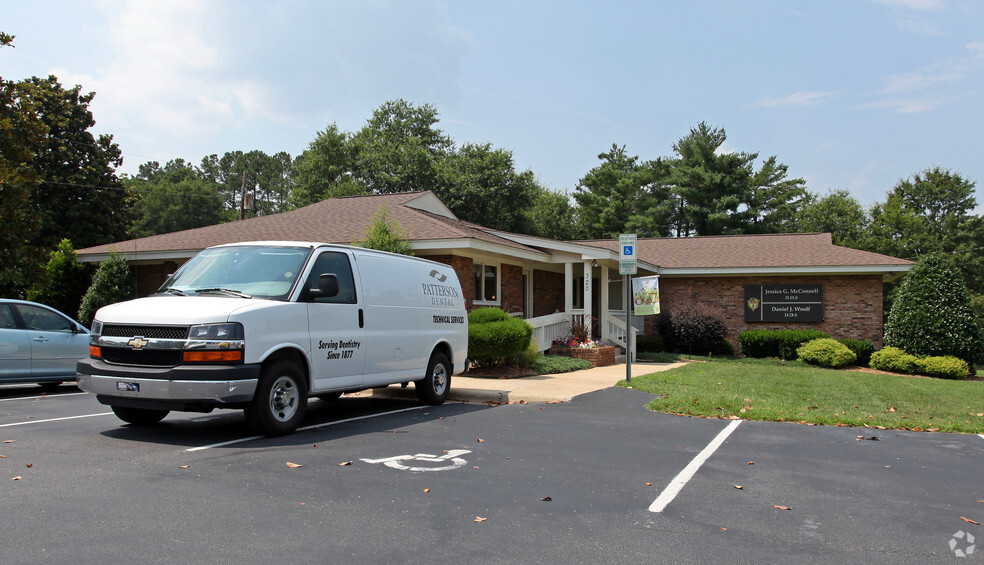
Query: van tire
x: 139, y: 416
x: 280, y: 402
x: 436, y: 386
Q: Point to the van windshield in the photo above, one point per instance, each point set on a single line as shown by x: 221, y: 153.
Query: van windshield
x: 244, y: 272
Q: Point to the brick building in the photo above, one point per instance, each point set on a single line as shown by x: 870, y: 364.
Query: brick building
x: 547, y: 282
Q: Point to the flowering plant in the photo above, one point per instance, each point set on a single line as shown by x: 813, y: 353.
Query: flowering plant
x: 576, y: 343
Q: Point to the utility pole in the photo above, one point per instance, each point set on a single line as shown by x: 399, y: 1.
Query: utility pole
x: 242, y: 198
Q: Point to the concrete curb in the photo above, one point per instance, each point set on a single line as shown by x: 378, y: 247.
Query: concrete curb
x: 536, y: 389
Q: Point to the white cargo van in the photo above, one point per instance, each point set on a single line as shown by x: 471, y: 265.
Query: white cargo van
x: 262, y: 326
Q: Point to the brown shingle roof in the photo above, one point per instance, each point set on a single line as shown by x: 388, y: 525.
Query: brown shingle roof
x: 751, y: 251
x: 338, y: 220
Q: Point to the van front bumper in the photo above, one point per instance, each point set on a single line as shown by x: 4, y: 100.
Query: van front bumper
x: 182, y: 385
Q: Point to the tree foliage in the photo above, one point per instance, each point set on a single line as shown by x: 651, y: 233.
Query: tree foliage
x: 174, y: 197
x: 384, y: 235
x: 64, y: 281
x: 111, y: 283
x: 838, y: 213
x: 932, y: 314
x: 932, y: 213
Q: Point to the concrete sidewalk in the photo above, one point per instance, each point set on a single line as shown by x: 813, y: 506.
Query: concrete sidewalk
x: 538, y: 388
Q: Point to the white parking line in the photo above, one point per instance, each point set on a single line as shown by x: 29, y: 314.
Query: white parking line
x: 43, y: 396
x: 688, y: 472
x: 980, y: 436
x: 311, y: 427
x: 55, y: 419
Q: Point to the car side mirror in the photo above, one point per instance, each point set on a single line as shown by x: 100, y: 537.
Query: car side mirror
x: 327, y: 287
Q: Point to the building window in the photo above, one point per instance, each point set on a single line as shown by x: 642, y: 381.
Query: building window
x: 486, y: 283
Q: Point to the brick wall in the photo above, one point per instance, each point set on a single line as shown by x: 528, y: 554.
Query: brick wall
x: 852, y: 304
x: 511, y: 284
x: 548, y: 292
x: 150, y: 277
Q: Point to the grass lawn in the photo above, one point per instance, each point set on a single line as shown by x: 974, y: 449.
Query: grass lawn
x: 758, y: 389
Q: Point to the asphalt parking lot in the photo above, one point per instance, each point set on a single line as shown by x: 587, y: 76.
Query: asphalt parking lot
x: 383, y: 480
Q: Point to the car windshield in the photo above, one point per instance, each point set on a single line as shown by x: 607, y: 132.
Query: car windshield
x: 243, y: 272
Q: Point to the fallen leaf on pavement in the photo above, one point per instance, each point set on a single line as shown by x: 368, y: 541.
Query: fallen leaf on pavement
x: 183, y: 466
x: 970, y: 521
x: 344, y: 463
x: 739, y: 487
x: 293, y: 465
x: 546, y: 499
x: 10, y: 441
x: 781, y: 507
x: 17, y: 478
x: 480, y: 440
x: 651, y: 484
x: 480, y: 519
x: 427, y: 490
x: 751, y: 462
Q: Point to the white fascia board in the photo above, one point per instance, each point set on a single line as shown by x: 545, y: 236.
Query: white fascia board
x: 465, y: 244
x: 806, y: 270
x: 587, y: 252
x: 182, y: 255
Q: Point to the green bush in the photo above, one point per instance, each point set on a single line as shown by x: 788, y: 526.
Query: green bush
x: 893, y: 359
x: 487, y: 315
x: 944, y: 367
x: 826, y: 352
x: 775, y: 343
x: 112, y: 283
x: 650, y: 343
x: 552, y: 364
x: 862, y: 349
x: 933, y: 315
x: 494, y: 341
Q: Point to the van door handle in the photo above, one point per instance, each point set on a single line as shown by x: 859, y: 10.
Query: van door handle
x: 362, y: 321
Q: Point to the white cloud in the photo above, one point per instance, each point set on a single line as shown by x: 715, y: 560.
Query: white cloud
x: 801, y: 98
x: 901, y: 106
x: 922, y: 5
x: 976, y: 49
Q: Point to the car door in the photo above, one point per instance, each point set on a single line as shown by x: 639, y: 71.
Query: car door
x: 56, y: 342
x: 15, y: 347
x: 338, y: 347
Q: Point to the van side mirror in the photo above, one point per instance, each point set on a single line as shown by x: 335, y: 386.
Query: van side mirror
x: 327, y: 287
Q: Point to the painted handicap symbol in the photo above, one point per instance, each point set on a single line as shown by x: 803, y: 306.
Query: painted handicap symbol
x: 446, y: 462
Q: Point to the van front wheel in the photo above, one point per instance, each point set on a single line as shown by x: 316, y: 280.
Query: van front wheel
x: 435, y: 387
x: 280, y: 401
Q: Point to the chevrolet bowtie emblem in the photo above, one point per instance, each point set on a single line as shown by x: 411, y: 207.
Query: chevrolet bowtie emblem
x: 137, y: 342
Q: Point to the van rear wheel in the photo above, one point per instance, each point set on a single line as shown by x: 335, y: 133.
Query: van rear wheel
x: 435, y: 387
x: 280, y: 402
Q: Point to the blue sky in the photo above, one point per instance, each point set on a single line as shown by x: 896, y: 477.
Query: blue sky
x: 852, y: 94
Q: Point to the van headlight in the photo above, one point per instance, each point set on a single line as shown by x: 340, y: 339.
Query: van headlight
x: 231, y: 330
x: 215, y: 343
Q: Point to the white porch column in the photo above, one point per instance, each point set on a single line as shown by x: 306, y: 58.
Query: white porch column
x: 568, y: 288
x: 587, y: 293
x: 603, y: 307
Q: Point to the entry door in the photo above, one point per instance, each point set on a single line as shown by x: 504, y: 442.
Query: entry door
x: 338, y: 339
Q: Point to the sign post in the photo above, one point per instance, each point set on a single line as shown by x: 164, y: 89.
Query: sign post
x: 627, y: 266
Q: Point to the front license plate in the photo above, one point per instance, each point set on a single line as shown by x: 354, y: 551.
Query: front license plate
x: 128, y: 387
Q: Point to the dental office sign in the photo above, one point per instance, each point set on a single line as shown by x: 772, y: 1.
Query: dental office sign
x: 784, y: 303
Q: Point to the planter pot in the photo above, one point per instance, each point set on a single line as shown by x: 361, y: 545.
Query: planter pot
x: 597, y: 356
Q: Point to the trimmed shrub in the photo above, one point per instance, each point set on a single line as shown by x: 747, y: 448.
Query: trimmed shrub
x: 492, y: 342
x: 487, y: 315
x: 861, y: 348
x: 650, y: 343
x: 552, y: 364
x: 826, y: 352
x: 933, y: 315
x: 775, y: 343
x: 944, y: 367
x: 893, y: 359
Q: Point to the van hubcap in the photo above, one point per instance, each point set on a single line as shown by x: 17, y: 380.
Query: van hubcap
x: 283, y: 399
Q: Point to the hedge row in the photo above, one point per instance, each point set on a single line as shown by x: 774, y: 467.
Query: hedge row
x: 897, y: 361
x: 494, y: 335
x: 776, y: 343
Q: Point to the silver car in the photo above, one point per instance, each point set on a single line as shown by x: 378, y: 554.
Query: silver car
x: 39, y: 344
